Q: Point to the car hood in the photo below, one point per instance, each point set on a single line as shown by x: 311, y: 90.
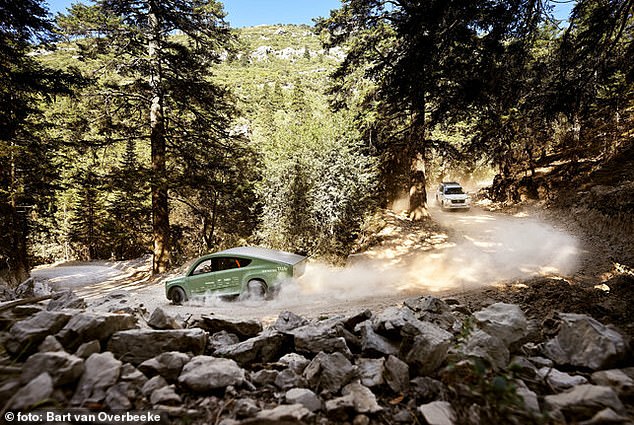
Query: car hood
x: 457, y: 197
x: 174, y: 280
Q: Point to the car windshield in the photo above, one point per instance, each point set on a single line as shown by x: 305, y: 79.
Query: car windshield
x: 453, y: 191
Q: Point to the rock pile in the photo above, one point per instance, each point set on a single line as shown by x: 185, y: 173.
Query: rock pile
x: 428, y: 361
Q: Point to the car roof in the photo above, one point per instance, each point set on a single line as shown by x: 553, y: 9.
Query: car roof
x: 263, y: 254
x: 451, y: 184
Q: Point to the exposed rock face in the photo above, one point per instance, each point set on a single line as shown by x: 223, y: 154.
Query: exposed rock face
x: 137, y: 345
x: 205, y: 373
x: 375, y: 344
x: 560, y: 381
x: 583, y: 341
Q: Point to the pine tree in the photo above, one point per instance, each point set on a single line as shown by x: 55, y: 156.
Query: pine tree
x: 161, y: 52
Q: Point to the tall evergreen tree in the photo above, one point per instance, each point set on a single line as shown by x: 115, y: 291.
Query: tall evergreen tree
x: 161, y: 52
x: 428, y: 60
x: 26, y: 166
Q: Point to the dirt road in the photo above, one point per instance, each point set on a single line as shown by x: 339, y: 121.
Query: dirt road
x: 476, y: 248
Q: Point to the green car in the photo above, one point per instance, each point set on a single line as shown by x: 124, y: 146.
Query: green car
x: 247, y: 271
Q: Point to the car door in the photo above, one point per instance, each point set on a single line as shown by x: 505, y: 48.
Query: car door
x: 202, y: 278
x: 227, y: 276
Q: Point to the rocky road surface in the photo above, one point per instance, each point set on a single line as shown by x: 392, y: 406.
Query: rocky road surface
x: 473, y: 249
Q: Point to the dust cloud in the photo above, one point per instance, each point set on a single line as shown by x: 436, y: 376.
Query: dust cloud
x: 482, y: 249
x: 479, y: 249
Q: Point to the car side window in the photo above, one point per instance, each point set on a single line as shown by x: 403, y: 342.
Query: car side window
x: 228, y: 263
x: 203, y: 267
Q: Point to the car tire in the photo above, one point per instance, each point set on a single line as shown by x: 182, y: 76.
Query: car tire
x: 177, y: 295
x: 256, y: 290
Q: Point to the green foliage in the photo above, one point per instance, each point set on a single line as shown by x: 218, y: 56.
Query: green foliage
x: 317, y: 184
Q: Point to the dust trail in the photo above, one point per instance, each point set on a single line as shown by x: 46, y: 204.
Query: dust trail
x: 480, y: 249
x: 484, y: 249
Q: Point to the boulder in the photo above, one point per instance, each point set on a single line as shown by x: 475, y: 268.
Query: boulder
x: 166, y: 395
x: 286, y: 414
x: 431, y: 309
x: 26, y: 335
x: 246, y: 408
x: 296, y: 362
x: 50, y: 343
x: 101, y: 371
x: 429, y: 349
x: 560, y: 381
x: 305, y: 397
x: 371, y: 371
x: 288, y: 379
x: 87, y: 349
x: 152, y: 385
x: 375, y: 344
x: 159, y: 319
x: 242, y: 328
x: 221, y: 339
x: 137, y: 345
x: 329, y: 372
x: 395, y: 323
x: 288, y: 321
x: 118, y: 396
x: 481, y: 345
x: 438, y: 413
x: 506, y: 321
x: 87, y: 326
x: 584, y: 401
x: 617, y: 379
x: 324, y: 336
x: 264, y: 377
x: 396, y: 374
x: 264, y: 348
x: 63, y: 368
x: 133, y: 376
x: 67, y: 299
x: 37, y: 391
x: 205, y: 373
x: 169, y: 365
x: 582, y: 341
x: 531, y: 402
x: 364, y: 401
x: 607, y: 416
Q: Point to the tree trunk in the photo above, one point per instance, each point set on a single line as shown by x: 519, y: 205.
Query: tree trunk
x: 417, y: 177
x: 417, y: 190
x: 160, y: 211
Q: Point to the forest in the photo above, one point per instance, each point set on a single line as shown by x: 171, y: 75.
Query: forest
x: 135, y: 127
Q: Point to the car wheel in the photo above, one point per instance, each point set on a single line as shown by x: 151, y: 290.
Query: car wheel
x: 177, y: 295
x: 256, y: 290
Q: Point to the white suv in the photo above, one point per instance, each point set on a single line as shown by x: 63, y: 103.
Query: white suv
x: 451, y: 196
